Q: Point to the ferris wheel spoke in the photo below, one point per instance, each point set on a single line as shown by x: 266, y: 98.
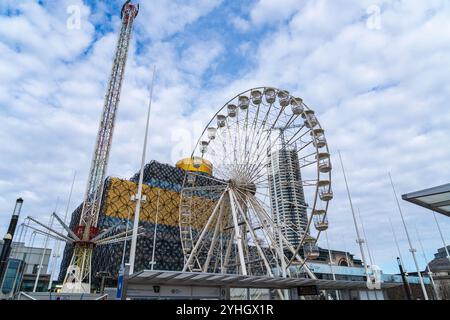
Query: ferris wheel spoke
x: 276, y: 119
x: 248, y: 156
x: 259, y: 162
x: 257, y: 133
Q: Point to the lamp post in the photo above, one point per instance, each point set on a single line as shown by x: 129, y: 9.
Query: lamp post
x: 405, y: 281
x: 8, y: 238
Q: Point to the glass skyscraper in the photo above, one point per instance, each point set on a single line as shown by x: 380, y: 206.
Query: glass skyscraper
x: 287, y: 196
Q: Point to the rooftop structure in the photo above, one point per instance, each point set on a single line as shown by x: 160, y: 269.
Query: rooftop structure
x: 440, y: 263
x: 436, y: 198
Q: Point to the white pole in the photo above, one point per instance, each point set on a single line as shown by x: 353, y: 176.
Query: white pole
x: 42, y: 256
x: 331, y: 264
x: 442, y: 237
x: 238, y: 236
x: 396, y: 243
x: 411, y: 249
x: 57, y: 254
x: 346, y: 252
x: 30, y: 250
x: 154, y: 232
x: 26, y: 223
x: 141, y: 178
x: 16, y: 248
x: 358, y: 240
x: 21, y: 226
x: 365, y: 238
x: 278, y: 219
x: 426, y: 263
x: 125, y: 241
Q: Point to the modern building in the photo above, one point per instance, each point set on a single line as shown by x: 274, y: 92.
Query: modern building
x: 31, y: 256
x: 22, y: 268
x: 287, y: 195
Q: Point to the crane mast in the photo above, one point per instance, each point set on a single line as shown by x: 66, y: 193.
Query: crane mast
x: 78, y: 276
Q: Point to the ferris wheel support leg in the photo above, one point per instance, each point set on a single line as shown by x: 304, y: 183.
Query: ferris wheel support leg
x: 237, y: 233
x: 289, y: 246
x: 258, y: 247
x: 205, y: 229
x: 227, y: 255
x: 297, y: 256
x: 269, y: 233
x: 214, y: 240
x: 283, y: 294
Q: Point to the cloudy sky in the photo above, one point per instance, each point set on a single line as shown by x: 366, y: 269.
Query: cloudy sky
x: 376, y: 72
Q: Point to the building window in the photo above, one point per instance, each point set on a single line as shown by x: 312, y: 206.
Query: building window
x: 343, y: 263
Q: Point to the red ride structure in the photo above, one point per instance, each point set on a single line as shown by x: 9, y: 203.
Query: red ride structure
x: 78, y: 277
x: 86, y: 236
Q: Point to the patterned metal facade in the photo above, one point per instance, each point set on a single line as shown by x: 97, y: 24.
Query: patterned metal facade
x: 162, y: 185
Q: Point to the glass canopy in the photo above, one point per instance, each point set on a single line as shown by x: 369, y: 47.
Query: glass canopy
x: 436, y: 199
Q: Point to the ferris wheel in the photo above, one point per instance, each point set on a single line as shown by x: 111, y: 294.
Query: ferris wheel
x: 255, y: 198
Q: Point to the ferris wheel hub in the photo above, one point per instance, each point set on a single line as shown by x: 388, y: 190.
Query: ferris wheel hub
x: 245, y: 186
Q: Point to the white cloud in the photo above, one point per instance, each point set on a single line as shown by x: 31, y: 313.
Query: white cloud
x: 240, y: 24
x: 381, y: 95
x: 199, y: 56
x: 269, y: 11
x: 166, y: 17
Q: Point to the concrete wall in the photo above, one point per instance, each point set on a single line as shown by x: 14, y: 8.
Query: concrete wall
x: 398, y: 293
x: 443, y: 286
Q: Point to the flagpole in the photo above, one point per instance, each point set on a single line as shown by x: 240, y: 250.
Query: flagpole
x: 359, y: 241
x: 426, y: 262
x: 141, y: 178
x: 411, y: 249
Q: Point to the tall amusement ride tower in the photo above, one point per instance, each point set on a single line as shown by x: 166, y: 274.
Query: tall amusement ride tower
x: 86, y: 236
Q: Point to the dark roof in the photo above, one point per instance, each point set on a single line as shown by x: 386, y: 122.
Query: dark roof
x: 439, y: 265
x: 436, y: 198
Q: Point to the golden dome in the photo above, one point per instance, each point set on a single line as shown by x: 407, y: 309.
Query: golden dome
x: 202, y: 165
